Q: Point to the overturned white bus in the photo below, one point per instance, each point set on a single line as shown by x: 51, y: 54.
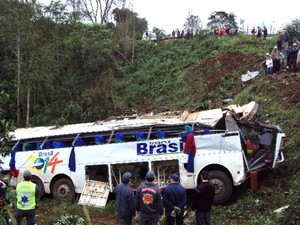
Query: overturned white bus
x: 230, y: 144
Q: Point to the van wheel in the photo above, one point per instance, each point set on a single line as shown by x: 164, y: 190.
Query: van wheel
x: 223, y: 185
x: 39, y: 184
x: 63, y: 190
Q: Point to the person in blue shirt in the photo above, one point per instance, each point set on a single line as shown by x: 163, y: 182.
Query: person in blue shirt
x: 175, y: 199
x: 125, y: 201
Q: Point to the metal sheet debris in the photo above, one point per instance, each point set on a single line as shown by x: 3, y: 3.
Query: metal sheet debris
x: 249, y: 75
x: 94, y: 193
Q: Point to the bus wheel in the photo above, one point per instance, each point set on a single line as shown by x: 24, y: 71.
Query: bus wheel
x: 223, y: 185
x: 63, y: 190
x: 40, y: 185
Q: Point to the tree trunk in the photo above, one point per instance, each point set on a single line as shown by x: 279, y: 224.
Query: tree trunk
x: 133, y: 43
x: 18, y: 78
x: 28, y: 106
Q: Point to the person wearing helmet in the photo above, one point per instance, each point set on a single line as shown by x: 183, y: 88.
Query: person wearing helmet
x: 27, y: 193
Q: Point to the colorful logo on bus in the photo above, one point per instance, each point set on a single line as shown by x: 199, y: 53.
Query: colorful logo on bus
x: 38, y: 163
x: 45, y: 161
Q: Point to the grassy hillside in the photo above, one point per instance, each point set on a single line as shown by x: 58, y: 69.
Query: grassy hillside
x: 198, y: 73
x: 189, y: 73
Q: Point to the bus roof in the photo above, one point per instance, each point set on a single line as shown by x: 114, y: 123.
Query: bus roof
x: 208, y: 117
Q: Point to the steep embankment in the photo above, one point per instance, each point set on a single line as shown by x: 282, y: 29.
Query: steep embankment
x: 189, y: 73
x: 198, y: 73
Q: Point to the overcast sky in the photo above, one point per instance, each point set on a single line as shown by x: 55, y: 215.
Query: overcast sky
x: 172, y: 14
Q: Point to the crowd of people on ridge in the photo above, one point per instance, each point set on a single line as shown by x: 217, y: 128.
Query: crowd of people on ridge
x: 283, y: 56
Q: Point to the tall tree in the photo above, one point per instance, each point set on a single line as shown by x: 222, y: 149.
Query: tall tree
x: 19, y: 36
x: 58, y: 69
x: 97, y: 11
x: 5, y: 125
x: 294, y: 28
x: 221, y: 19
x: 193, y: 23
x: 129, y: 27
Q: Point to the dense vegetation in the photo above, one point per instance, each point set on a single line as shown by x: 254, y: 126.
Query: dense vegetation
x: 56, y: 69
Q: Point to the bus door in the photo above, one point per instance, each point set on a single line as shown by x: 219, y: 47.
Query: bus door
x: 187, y: 179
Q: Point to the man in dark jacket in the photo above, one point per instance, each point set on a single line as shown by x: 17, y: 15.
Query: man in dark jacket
x: 125, y: 200
x: 292, y: 58
x: 203, y: 200
x: 149, y: 204
x: 265, y: 31
x: 174, y: 201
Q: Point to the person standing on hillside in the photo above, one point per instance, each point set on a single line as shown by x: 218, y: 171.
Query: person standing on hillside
x: 253, y: 31
x: 203, y: 200
x: 286, y: 38
x: 178, y: 33
x: 27, y: 193
x: 269, y: 64
x: 279, y: 40
x: 259, y: 33
x: 265, y: 32
x: 125, y: 202
x: 149, y: 205
x: 292, y: 58
x: 174, y: 199
x: 276, y: 59
x: 282, y: 61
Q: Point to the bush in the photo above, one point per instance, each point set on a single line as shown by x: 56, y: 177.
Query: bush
x: 70, y: 220
x: 290, y: 216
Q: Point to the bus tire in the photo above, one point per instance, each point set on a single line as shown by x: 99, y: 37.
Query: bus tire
x: 63, y: 190
x: 39, y: 184
x: 223, y: 186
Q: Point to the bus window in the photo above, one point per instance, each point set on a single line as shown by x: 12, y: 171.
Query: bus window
x: 119, y: 137
x: 79, y: 142
x: 99, y: 139
x: 160, y: 134
x: 48, y: 145
x: 29, y: 146
x: 139, y: 136
x: 38, y: 145
x: 59, y: 144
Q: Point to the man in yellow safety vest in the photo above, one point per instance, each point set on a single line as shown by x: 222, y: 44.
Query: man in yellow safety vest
x: 27, y: 193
